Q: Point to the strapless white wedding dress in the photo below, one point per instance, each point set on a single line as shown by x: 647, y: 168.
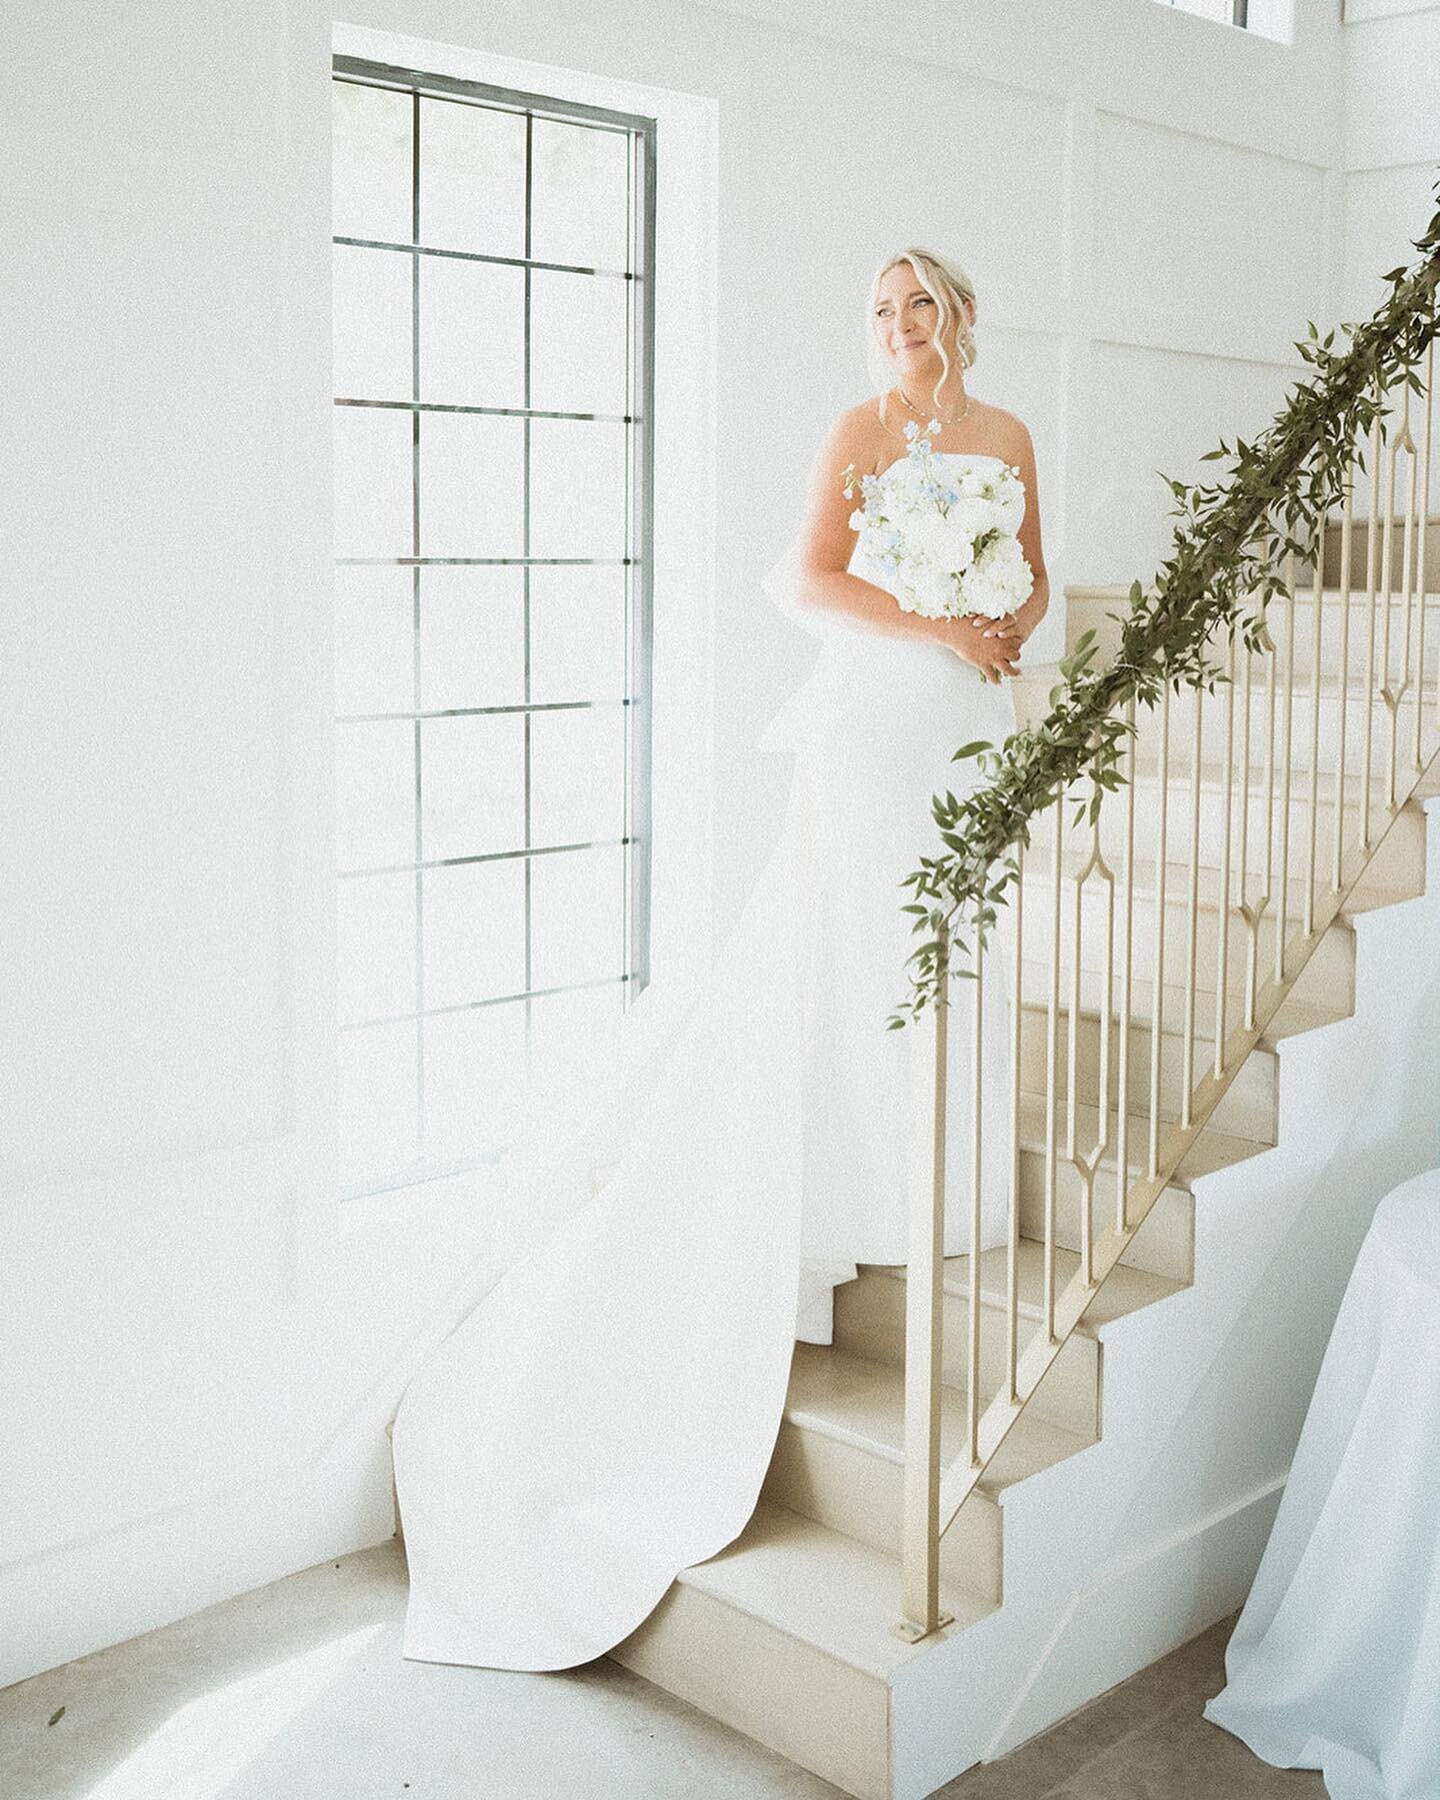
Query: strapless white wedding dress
x: 605, y: 1414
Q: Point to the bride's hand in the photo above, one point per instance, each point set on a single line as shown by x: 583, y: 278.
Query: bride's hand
x: 992, y: 645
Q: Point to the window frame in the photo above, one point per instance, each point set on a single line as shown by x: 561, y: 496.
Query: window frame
x: 638, y: 561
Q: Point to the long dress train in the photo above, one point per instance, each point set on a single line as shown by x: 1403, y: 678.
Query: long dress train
x: 605, y: 1415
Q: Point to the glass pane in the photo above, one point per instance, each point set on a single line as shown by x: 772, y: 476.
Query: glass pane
x: 376, y: 1101
x: 472, y: 637
x: 572, y: 1036
x: 375, y: 947
x: 371, y: 163
x: 372, y: 324
x: 474, y: 932
x: 471, y: 485
x: 473, y: 785
x: 472, y: 178
x: 374, y: 640
x: 578, y: 488
x: 577, y: 633
x: 373, y: 482
x: 580, y: 204
x: 579, y: 343
x: 375, y: 794
x: 472, y: 333
x: 577, y: 775
x: 577, y: 916
x: 474, y: 1078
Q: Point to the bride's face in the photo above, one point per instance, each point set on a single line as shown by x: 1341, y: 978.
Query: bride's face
x: 907, y: 323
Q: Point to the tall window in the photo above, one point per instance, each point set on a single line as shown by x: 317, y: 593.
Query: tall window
x: 493, y: 479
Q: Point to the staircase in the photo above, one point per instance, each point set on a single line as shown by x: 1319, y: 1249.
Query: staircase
x: 1118, y: 1517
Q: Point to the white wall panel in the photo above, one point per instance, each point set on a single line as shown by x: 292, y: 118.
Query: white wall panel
x: 1392, y: 90
x: 1175, y: 407
x: 1219, y: 246
x: 1385, y: 211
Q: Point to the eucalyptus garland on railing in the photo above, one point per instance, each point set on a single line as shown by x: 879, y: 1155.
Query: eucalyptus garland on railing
x: 1228, y: 551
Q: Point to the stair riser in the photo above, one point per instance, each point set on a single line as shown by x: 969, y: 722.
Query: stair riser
x: 870, y: 1321
x: 1087, y: 614
x: 1332, y: 961
x: 1212, y: 744
x: 822, y: 1713
x: 1164, y: 1244
x: 1178, y: 826
x: 1248, y: 1109
x: 849, y: 1490
x: 1396, y: 871
x: 1317, y: 985
x: 1420, y: 545
x: 1032, y: 706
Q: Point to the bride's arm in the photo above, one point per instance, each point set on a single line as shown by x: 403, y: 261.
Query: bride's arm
x: 827, y: 544
x: 1030, y: 612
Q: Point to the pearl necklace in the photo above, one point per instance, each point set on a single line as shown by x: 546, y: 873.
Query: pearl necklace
x: 954, y: 419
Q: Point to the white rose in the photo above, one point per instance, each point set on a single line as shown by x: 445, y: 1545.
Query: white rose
x: 942, y: 542
x: 974, y: 515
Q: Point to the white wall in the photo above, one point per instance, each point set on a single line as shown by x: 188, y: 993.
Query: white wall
x: 199, y: 1352
x: 1391, y: 145
x: 1391, y: 160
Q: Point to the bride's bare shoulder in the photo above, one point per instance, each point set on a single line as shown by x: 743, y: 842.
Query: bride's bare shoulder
x: 859, y: 436
x: 1005, y: 429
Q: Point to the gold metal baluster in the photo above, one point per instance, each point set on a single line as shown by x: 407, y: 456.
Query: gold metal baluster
x: 1127, y: 971
x: 1227, y: 783
x: 1407, y: 585
x: 924, y: 1300
x: 1246, y: 707
x: 1317, y: 596
x: 1072, y: 1041
x: 1372, y: 553
x: 1102, y: 1142
x: 1157, y: 1010
x: 1282, y: 913
x: 1012, y: 1270
x: 977, y: 1044
x: 1253, y: 911
x: 1086, y: 1166
x: 1393, y: 693
x: 1342, y: 723
x: 1192, y: 922
x: 1262, y: 901
x: 1423, y: 571
x: 1051, y: 1069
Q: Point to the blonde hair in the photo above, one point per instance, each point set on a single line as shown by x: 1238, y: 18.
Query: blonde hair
x: 949, y: 286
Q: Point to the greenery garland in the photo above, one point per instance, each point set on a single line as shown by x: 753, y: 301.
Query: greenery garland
x: 1228, y: 550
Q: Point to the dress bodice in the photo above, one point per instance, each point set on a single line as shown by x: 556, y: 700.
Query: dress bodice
x: 959, y: 456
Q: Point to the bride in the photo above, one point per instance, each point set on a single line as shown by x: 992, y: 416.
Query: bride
x: 604, y: 1416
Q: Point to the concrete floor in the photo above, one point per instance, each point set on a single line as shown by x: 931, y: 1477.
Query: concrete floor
x: 298, y: 1691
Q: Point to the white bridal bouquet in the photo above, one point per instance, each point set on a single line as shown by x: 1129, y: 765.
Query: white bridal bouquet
x: 947, y: 532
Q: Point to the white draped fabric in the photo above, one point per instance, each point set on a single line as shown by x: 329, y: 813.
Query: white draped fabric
x: 1334, y: 1663
x: 604, y: 1415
